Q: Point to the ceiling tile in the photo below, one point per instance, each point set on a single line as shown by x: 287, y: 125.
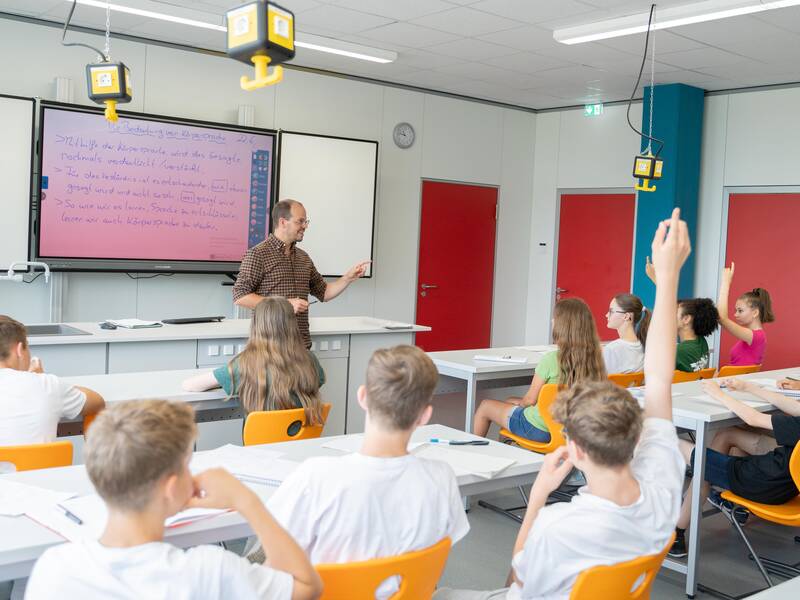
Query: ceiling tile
x: 701, y: 58
x: 430, y: 79
x: 527, y: 37
x: 471, y: 49
x: 426, y: 60
x: 785, y: 18
x: 526, y: 62
x: 89, y: 16
x: 392, y: 9
x: 466, y: 22
x: 500, y: 78
x: 174, y: 32
x: 409, y: 35
x: 341, y: 19
x: 533, y: 11
x: 666, y: 41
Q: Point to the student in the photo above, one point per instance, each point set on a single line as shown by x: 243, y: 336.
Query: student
x: 753, y: 309
x: 137, y: 456
x: 633, y: 467
x: 762, y: 474
x: 697, y: 319
x: 274, y: 371
x: 631, y: 319
x: 380, y: 501
x: 578, y: 358
x: 32, y: 401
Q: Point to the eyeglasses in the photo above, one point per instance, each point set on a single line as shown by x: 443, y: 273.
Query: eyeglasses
x: 621, y: 312
x: 302, y: 222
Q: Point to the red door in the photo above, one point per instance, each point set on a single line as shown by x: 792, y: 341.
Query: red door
x: 456, y: 265
x: 762, y: 241
x: 595, y: 246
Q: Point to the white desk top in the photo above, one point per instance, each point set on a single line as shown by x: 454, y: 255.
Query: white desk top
x: 229, y: 328
x: 23, y: 540
x: 464, y: 360
x: 788, y: 590
x: 118, y: 387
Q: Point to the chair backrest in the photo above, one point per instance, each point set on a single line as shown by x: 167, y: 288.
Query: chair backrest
x: 419, y: 572
x: 683, y: 376
x: 270, y: 426
x: 707, y: 373
x: 630, y: 580
x: 547, y: 396
x: 87, y: 421
x: 627, y: 380
x: 730, y: 370
x: 794, y: 465
x: 37, y: 456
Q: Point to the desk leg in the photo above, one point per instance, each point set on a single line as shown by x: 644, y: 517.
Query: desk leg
x: 472, y: 389
x: 695, y: 514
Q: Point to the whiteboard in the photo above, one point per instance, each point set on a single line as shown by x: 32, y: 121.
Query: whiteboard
x: 335, y: 179
x: 16, y: 154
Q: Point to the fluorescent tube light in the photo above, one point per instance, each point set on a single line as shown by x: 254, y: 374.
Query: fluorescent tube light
x: 700, y: 12
x: 310, y: 42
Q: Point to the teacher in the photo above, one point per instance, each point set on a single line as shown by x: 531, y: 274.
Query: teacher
x: 277, y: 267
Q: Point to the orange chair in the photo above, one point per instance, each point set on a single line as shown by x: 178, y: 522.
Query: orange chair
x: 87, y: 421
x: 730, y: 370
x: 708, y: 373
x: 270, y: 426
x: 547, y: 396
x: 38, y: 456
x: 630, y: 580
x: 683, y: 376
x: 783, y: 514
x: 419, y: 572
x: 627, y: 380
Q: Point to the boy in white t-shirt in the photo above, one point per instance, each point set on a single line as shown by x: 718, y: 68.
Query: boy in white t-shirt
x: 137, y: 457
x: 634, y: 469
x: 381, y: 501
x: 32, y: 402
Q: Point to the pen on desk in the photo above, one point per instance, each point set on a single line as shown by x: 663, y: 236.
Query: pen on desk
x: 790, y: 378
x: 313, y: 302
x: 460, y: 442
x: 70, y: 515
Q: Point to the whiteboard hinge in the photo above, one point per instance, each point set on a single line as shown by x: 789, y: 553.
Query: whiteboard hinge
x: 496, y: 211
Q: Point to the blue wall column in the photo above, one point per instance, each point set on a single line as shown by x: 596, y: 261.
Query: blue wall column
x: 678, y: 121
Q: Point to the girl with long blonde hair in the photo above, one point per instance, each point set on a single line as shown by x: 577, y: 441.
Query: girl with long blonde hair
x: 275, y: 371
x: 579, y: 358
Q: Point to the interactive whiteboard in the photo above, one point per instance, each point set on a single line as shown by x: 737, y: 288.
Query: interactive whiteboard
x: 335, y: 179
x: 149, y: 193
x: 16, y: 162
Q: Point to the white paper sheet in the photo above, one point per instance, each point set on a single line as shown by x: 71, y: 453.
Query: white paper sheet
x: 252, y: 464
x: 16, y: 497
x: 466, y: 463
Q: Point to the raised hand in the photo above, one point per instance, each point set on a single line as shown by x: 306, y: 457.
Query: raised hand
x: 671, y: 246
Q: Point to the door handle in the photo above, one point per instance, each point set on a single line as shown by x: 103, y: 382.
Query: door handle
x: 428, y: 286
x: 560, y: 290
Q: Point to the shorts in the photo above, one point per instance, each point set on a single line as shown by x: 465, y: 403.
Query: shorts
x: 519, y: 425
x: 716, y: 468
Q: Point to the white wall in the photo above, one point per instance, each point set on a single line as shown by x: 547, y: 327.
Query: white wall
x: 456, y: 140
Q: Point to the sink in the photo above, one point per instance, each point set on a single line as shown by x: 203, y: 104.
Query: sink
x: 54, y: 329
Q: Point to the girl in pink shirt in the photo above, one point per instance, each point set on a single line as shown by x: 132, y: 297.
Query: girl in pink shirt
x: 753, y: 308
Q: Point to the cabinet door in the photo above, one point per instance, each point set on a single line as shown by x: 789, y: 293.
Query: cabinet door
x: 335, y: 392
x: 130, y: 357
x: 68, y: 360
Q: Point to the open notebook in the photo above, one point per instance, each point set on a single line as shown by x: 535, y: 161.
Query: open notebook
x: 251, y: 464
x: 92, y: 513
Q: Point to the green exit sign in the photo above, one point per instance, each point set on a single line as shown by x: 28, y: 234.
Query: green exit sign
x: 592, y: 110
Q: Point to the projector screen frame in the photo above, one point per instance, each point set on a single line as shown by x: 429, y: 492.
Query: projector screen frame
x: 277, y: 188
x: 135, y: 265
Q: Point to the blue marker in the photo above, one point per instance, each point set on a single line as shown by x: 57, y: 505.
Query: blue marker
x: 460, y: 442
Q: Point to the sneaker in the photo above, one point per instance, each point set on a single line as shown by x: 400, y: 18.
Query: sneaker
x: 740, y: 514
x: 678, y: 549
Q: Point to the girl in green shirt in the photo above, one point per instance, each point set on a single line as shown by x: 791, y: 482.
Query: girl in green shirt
x: 697, y: 319
x: 578, y: 358
x: 275, y: 371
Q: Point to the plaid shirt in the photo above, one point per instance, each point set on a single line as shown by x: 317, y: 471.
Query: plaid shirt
x: 267, y: 271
